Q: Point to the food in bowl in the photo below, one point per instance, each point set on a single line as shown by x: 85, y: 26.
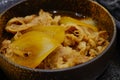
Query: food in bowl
x: 48, y: 41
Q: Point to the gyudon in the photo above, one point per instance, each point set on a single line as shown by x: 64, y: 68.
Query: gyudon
x: 49, y: 41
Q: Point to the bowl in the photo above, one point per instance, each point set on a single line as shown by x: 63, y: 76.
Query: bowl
x: 89, y: 70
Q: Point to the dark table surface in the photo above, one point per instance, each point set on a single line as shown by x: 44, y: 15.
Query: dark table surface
x: 113, y: 70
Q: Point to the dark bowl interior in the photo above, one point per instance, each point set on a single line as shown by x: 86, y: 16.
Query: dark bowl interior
x: 91, y: 69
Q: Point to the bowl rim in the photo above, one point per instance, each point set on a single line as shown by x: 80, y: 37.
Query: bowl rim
x: 69, y: 68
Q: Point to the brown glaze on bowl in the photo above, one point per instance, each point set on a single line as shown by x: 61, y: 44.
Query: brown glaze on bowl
x: 86, y: 71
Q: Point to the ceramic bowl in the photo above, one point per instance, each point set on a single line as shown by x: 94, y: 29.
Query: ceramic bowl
x: 87, y: 71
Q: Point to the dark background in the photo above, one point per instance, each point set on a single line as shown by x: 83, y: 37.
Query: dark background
x: 113, y: 6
